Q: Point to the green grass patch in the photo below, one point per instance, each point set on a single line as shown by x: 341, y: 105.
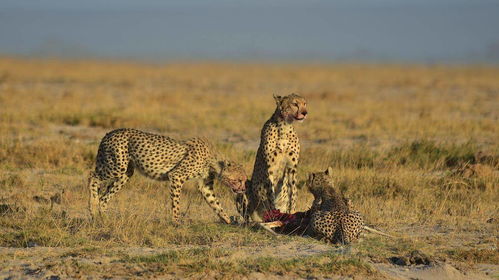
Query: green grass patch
x: 194, y: 261
x: 380, y: 248
x: 429, y: 154
x: 164, y: 258
x: 474, y: 255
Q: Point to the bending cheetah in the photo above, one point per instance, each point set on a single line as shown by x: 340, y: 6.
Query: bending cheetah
x: 332, y: 216
x: 160, y: 158
x: 273, y: 183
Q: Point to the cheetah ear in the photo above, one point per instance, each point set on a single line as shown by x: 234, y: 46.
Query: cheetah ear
x: 301, y: 185
x: 224, y: 164
x: 278, y: 100
x: 309, y: 180
x: 329, y: 171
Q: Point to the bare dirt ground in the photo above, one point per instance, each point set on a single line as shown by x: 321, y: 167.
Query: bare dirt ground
x: 63, y: 263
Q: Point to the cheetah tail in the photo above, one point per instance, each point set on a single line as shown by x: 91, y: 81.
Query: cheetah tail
x: 371, y: 230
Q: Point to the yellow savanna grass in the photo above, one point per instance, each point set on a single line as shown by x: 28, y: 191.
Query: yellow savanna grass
x: 414, y: 147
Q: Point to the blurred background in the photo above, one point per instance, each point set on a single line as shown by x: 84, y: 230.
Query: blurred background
x: 426, y: 31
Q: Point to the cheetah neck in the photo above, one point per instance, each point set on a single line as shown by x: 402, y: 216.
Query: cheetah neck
x: 316, y: 204
x: 283, y: 128
x: 215, y: 169
x: 332, y: 202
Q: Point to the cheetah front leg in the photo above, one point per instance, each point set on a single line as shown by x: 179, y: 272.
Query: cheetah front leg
x: 281, y: 197
x: 293, y: 190
x: 274, y: 184
x: 114, y: 187
x: 286, y: 198
x: 242, y: 205
x: 94, y: 183
x: 206, y: 189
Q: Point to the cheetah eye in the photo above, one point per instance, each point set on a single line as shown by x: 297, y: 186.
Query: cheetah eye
x: 295, y: 104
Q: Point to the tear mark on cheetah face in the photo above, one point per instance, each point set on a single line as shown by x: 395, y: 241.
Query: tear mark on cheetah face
x: 292, y: 107
x: 233, y: 176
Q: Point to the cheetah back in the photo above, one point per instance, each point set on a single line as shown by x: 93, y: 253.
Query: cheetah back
x: 153, y: 155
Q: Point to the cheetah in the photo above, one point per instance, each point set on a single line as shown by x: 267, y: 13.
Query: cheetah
x: 273, y: 182
x: 158, y: 157
x: 332, y: 217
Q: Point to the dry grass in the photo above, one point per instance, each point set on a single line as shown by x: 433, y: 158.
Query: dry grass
x: 414, y: 147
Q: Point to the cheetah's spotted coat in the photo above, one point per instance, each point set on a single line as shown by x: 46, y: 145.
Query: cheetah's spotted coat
x: 273, y: 183
x: 331, y: 215
x: 161, y: 158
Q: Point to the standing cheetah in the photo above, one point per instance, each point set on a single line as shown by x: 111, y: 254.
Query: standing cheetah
x: 273, y: 183
x: 161, y: 158
x: 332, y: 217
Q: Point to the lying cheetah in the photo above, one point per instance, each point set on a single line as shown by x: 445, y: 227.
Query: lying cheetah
x: 332, y: 216
x: 273, y: 183
x: 161, y: 158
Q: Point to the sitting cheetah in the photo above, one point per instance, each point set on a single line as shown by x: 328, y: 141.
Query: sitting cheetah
x: 273, y: 183
x: 332, y: 217
x: 160, y: 158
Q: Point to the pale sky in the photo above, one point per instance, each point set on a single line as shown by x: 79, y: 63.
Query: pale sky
x: 321, y: 31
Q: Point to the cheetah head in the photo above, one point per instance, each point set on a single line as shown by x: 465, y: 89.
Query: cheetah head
x: 320, y: 183
x: 291, y: 107
x: 233, y: 176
